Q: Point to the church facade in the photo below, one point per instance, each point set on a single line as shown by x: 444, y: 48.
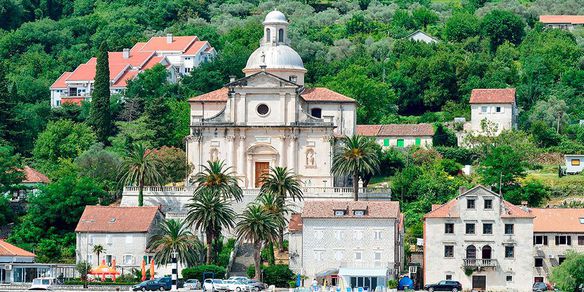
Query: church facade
x: 268, y: 118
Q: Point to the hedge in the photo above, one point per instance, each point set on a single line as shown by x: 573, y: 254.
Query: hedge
x: 277, y: 275
x: 198, y: 271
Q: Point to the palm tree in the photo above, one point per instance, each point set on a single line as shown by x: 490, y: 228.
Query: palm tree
x: 98, y: 250
x: 175, y: 236
x: 274, y: 205
x: 140, y: 166
x: 355, y: 156
x: 211, y: 213
x: 282, y: 182
x: 219, y: 179
x: 257, y: 226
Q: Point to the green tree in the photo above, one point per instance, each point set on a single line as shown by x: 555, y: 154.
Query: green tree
x: 257, y: 226
x: 444, y: 137
x: 570, y: 273
x: 174, y: 165
x: 502, y: 167
x: 83, y: 268
x: 159, y: 120
x: 100, y: 115
x: 219, y: 180
x: 7, y: 108
x: 140, y: 167
x: 423, y: 17
x: 355, y: 156
x: 460, y: 26
x: 10, y: 174
x: 210, y: 212
x: 129, y: 133
x: 501, y: 26
x: 98, y: 249
x: 552, y: 112
x: 175, y: 236
x: 100, y: 164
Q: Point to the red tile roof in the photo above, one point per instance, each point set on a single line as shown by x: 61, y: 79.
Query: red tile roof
x: 152, y: 62
x: 558, y: 220
x: 406, y: 130
x: 60, y: 82
x: 178, y: 44
x: 195, y: 48
x: 368, y: 130
x: 550, y: 19
x: 32, y: 175
x: 374, y: 209
x: 219, y: 95
x: 7, y: 249
x: 324, y: 94
x: 136, y: 59
x: 107, y: 219
x: 137, y: 47
x: 505, y: 95
x: 86, y: 72
x: 123, y: 80
x: 295, y: 223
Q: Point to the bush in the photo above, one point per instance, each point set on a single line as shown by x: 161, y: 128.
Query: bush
x: 277, y: 275
x: 198, y: 271
x: 463, y: 156
x: 392, y: 284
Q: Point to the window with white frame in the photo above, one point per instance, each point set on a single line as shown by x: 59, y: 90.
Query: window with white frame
x: 318, y: 255
x: 108, y: 239
x: 128, y: 259
x: 377, y: 234
x: 339, y: 234
x: 484, y: 109
x: 498, y: 109
x: 358, y: 255
x: 358, y: 234
x: 90, y: 258
x: 318, y: 234
x: 377, y: 256
x: 89, y: 239
x: 339, y: 254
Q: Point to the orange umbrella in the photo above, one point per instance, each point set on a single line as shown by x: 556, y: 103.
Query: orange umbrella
x: 143, y: 270
x: 104, y: 270
x: 114, y: 269
x: 152, y: 269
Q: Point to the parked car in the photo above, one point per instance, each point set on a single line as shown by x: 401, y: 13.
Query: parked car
x: 214, y: 285
x: 257, y: 285
x: 540, y: 286
x: 149, y: 285
x: 239, y: 278
x: 237, y: 285
x: 43, y: 283
x: 446, y: 285
x: 192, y: 284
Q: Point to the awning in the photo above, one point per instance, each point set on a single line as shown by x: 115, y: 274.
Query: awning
x: 381, y: 272
x: 326, y: 273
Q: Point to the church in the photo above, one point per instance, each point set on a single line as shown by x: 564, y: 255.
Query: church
x: 268, y: 118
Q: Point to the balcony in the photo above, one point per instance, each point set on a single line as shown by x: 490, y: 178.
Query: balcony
x: 479, y: 263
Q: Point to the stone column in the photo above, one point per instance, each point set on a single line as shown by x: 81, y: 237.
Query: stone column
x: 249, y: 173
x: 294, y: 153
x: 283, y: 154
x: 242, y: 155
x: 232, y: 162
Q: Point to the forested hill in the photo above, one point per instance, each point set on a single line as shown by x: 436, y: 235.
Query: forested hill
x: 354, y: 47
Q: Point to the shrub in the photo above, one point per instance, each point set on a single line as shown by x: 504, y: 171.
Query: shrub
x: 198, y: 271
x: 461, y: 155
x: 392, y: 284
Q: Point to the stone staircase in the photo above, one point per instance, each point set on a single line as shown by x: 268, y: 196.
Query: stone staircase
x: 243, y: 259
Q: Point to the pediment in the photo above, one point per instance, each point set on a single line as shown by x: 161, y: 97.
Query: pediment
x: 262, y: 79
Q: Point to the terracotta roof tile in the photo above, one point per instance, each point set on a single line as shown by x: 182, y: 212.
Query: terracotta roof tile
x: 136, y: 59
x: 219, y: 95
x: 324, y: 94
x: 106, y: 219
x: 152, y: 62
x: 32, y: 175
x: 137, y: 47
x: 573, y: 19
x: 7, y: 249
x: 60, y: 82
x: 447, y: 210
x: 368, y: 130
x: 505, y: 95
x: 374, y: 209
x: 86, y: 72
x: 406, y: 130
x: 558, y: 220
x: 178, y: 44
x: 514, y: 211
x: 123, y: 80
x: 195, y: 47
x: 295, y: 223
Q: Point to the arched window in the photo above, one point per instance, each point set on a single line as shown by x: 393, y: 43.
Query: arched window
x: 281, y: 35
x: 486, y: 252
x: 268, y: 34
x: 316, y: 112
x: 471, y: 252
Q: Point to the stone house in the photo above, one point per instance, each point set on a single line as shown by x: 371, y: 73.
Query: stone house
x: 567, y: 22
x: 495, y: 107
x: 399, y: 135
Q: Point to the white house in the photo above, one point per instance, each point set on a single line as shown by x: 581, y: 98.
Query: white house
x: 480, y: 240
x: 420, y: 36
x: 555, y: 232
x: 347, y: 243
x: 268, y: 118
x: 123, y: 232
x: 493, y: 109
x: 178, y: 54
x: 399, y: 135
x: 574, y: 163
x: 568, y: 22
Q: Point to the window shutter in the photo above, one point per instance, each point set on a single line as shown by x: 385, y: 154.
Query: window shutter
x: 545, y: 242
x: 557, y: 240
x: 569, y: 240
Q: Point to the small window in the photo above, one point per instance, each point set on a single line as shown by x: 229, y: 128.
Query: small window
x: 316, y: 112
x: 540, y: 240
x: 318, y: 255
x: 487, y: 228
x: 268, y: 34
x: 561, y: 259
x: 359, y: 213
x: 508, y: 228
x: 339, y: 213
x: 187, y: 58
x: 400, y: 143
x: 498, y: 109
x: 377, y: 256
x: 358, y: 255
x: 418, y: 141
x: 509, y: 278
x: 470, y: 228
x: 339, y: 234
x: 470, y: 203
x: 575, y: 162
x: 448, y: 277
x: 488, y: 204
x: 509, y: 251
x: 281, y: 35
x: 484, y: 109
x: 449, y: 251
x: 318, y: 234
x: 108, y: 259
x: 563, y: 240
x: 386, y: 142
x: 580, y: 240
x: 449, y: 228
x: 377, y: 234
x: 538, y: 262
x: 128, y: 259
x: 263, y: 109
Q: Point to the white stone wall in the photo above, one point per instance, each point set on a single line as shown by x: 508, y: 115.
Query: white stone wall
x: 520, y: 267
x: 343, y: 115
x: 118, y: 245
x: 333, y: 243
x: 505, y: 119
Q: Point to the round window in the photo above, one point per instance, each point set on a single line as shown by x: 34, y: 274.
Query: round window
x: 263, y: 109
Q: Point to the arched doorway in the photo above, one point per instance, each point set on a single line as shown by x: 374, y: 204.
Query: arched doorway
x: 260, y: 158
x: 471, y: 252
x: 486, y: 252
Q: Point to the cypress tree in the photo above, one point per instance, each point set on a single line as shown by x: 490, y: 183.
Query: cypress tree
x: 7, y: 114
x: 100, y: 115
x: 160, y: 121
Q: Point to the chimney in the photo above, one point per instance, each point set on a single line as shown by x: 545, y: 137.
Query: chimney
x: 462, y: 190
x: 231, y: 78
x: 523, y: 203
x: 169, y: 38
x: 126, y: 53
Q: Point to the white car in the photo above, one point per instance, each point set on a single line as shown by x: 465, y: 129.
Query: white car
x: 42, y: 283
x: 237, y: 286
x: 239, y: 278
x: 214, y: 285
x: 192, y: 284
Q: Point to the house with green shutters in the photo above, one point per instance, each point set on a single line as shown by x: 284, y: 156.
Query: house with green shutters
x: 399, y: 135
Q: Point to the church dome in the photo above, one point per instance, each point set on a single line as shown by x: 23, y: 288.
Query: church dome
x: 275, y: 17
x: 275, y: 57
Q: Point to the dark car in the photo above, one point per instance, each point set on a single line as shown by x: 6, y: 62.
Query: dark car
x: 445, y: 285
x: 149, y: 285
x: 540, y: 286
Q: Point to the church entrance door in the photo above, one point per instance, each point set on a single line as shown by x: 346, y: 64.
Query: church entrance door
x: 261, y: 169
